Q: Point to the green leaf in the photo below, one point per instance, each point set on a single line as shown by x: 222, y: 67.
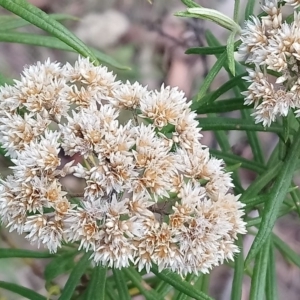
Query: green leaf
x: 96, y: 287
x: 271, y: 281
x: 190, y: 3
x: 110, y: 291
x: 249, y: 9
x: 40, y: 19
x: 74, y: 277
x: 22, y: 291
x: 260, y: 182
x: 138, y: 281
x: 253, y: 138
x: 163, y: 288
x: 214, y: 16
x: 236, y: 291
x: 220, y: 106
x: 4, y: 80
x: 258, y: 281
x: 189, y: 278
x: 214, y: 71
x: 277, y: 195
x: 59, y: 265
x: 241, y: 86
x: 177, y: 282
x: 228, y: 85
x: 235, y: 159
x: 121, y: 285
x: 236, y: 10
x: 287, y: 252
x: 13, y: 22
x: 206, y: 50
x: 222, y: 140
x: 52, y: 42
x: 20, y: 253
x: 230, y: 52
x: 221, y: 123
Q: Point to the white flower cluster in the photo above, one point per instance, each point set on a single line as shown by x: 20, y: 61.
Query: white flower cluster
x: 272, y: 47
x: 152, y: 193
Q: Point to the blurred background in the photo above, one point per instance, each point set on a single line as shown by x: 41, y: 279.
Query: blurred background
x: 151, y: 41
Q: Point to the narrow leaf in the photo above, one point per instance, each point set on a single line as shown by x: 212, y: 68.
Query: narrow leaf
x: 228, y: 85
x: 163, y: 288
x: 13, y: 22
x: 96, y: 287
x: 52, y: 42
x: 249, y: 9
x: 271, y: 281
x: 261, y: 181
x: 220, y: 106
x: 22, y: 291
x: 211, y: 76
x: 59, y: 265
x: 206, y: 50
x: 182, y: 286
x: 230, y: 52
x: 286, y: 251
x: 189, y: 278
x: 20, y: 253
x: 190, y: 3
x: 138, y: 281
x: 277, y: 195
x: 236, y: 291
x: 221, y: 123
x: 121, y: 285
x: 258, y: 281
x: 40, y: 19
x: 235, y: 159
x: 74, y: 277
x: 215, y: 16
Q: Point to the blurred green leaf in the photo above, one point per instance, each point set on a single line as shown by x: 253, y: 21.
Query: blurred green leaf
x: 212, y: 96
x: 137, y: 280
x: 220, y: 123
x: 230, y: 52
x: 40, y: 19
x: 52, y: 42
x: 238, y: 275
x: 121, y: 285
x: 286, y: 251
x: 190, y: 3
x: 75, y: 276
x: 178, y: 283
x: 220, y: 106
x: 277, y: 195
x: 213, y: 72
x: 261, y: 181
x: 271, y: 280
x: 189, y: 278
x: 13, y: 22
x: 96, y: 287
x: 59, y: 265
x: 249, y: 9
x: 20, y: 253
x: 22, y: 291
x: 235, y: 159
x: 206, y: 50
x: 4, y: 80
x: 258, y: 281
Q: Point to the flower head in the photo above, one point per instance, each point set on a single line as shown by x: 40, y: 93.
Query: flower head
x: 151, y: 193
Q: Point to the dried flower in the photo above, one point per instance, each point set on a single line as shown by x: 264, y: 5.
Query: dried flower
x: 152, y: 194
x: 271, y: 44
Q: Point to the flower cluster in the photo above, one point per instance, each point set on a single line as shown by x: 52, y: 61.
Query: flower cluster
x: 272, y: 47
x: 151, y: 193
